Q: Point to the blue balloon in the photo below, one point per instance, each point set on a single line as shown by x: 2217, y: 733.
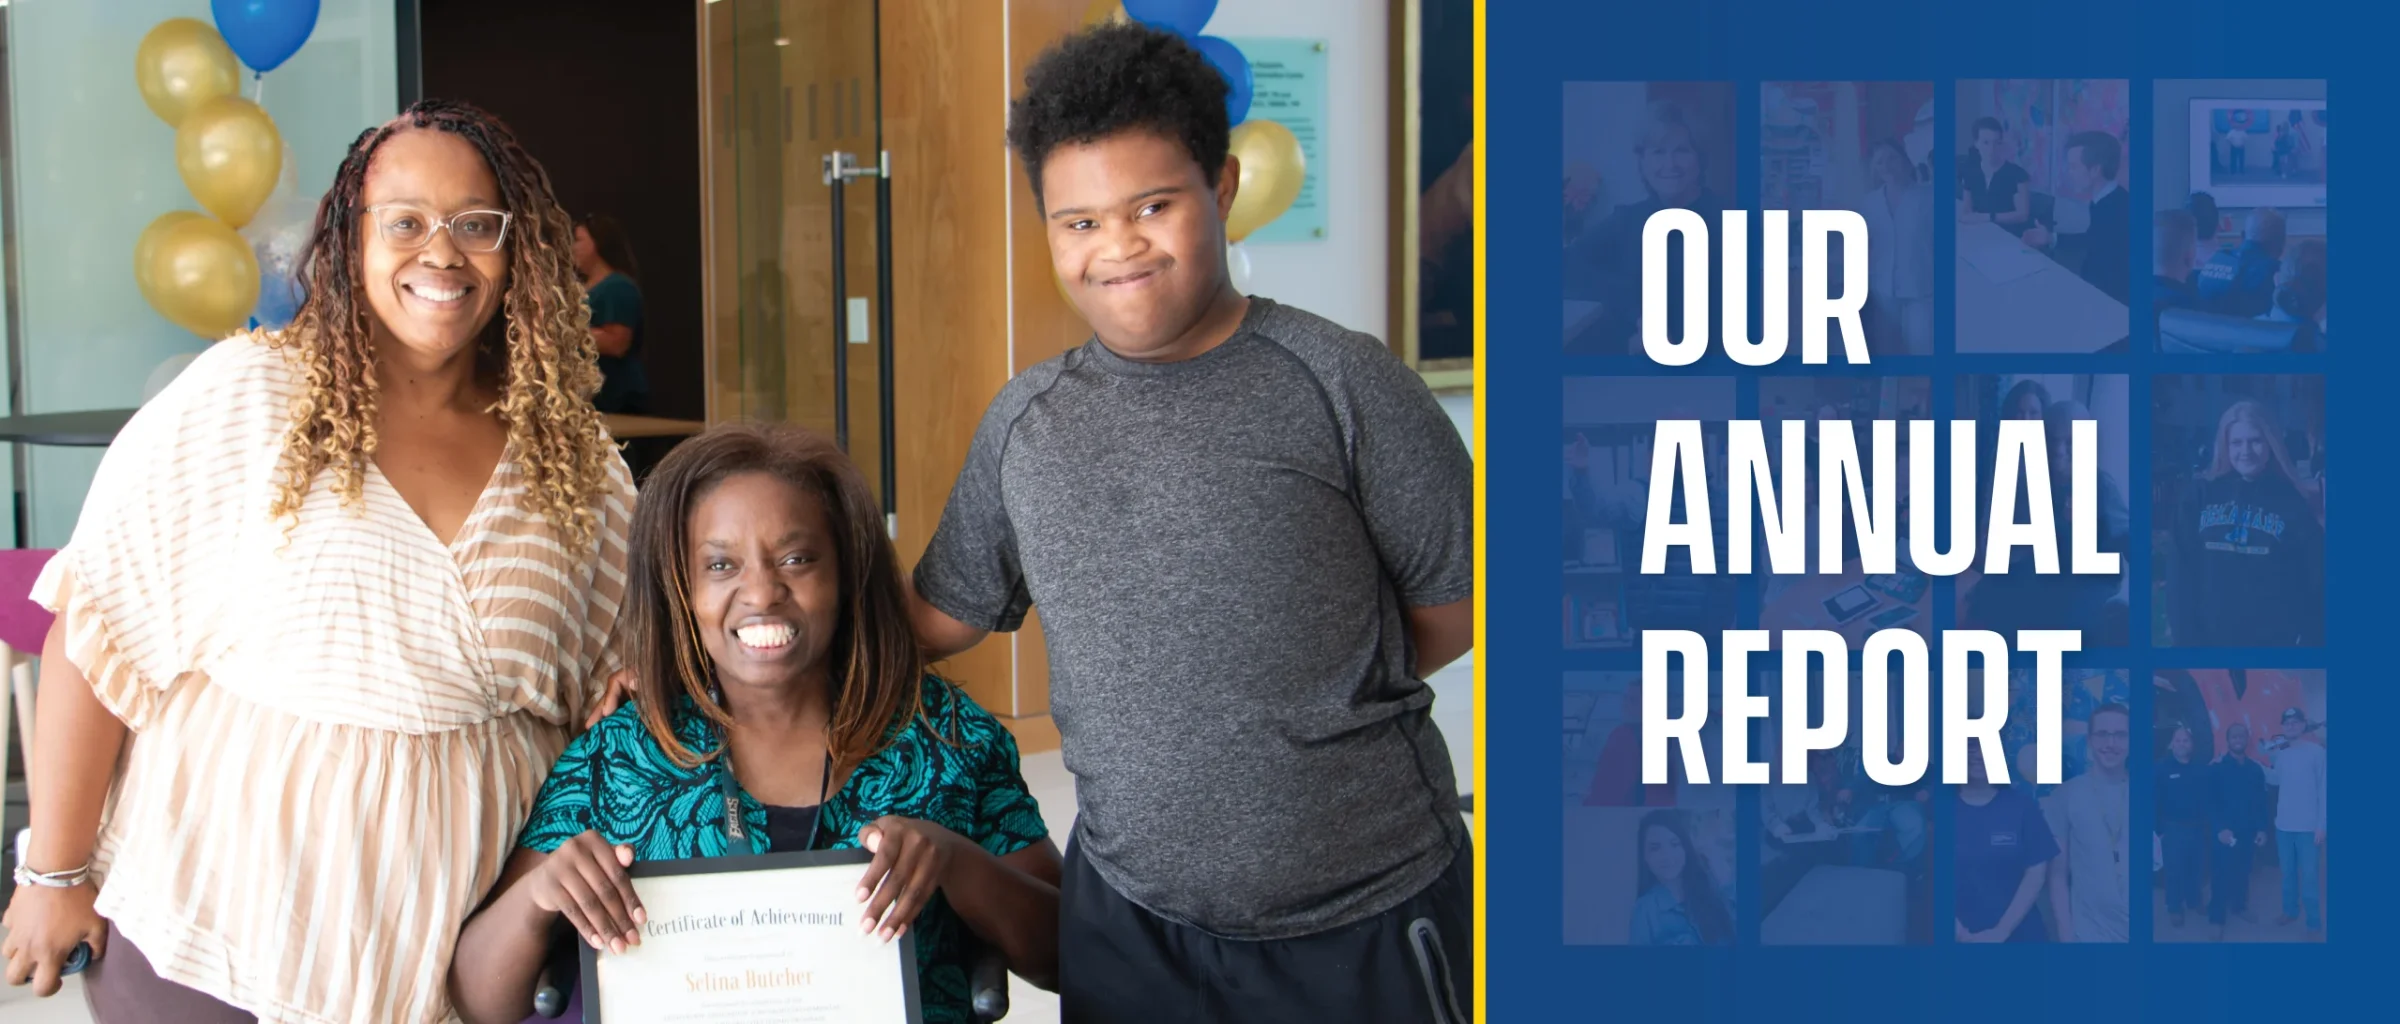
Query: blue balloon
x: 279, y: 298
x: 1228, y: 60
x: 1183, y: 17
x: 264, y: 33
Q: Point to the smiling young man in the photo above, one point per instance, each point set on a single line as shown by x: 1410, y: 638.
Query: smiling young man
x: 1249, y: 533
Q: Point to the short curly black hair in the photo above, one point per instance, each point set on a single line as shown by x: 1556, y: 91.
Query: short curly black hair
x: 1114, y: 78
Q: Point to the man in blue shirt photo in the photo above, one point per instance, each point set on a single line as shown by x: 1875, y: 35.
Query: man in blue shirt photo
x: 2241, y: 281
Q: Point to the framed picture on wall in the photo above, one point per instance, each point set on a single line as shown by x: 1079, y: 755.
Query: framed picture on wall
x: 1433, y: 189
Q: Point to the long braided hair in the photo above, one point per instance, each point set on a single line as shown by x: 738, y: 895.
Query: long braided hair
x: 539, y: 344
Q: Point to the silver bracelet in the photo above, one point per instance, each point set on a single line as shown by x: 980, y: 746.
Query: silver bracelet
x: 67, y: 879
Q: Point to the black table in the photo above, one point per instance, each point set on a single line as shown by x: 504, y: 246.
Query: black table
x: 95, y: 428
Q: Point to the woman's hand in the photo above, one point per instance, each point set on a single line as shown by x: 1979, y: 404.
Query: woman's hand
x: 585, y: 880
x: 44, y: 925
x: 614, y: 696
x: 912, y: 858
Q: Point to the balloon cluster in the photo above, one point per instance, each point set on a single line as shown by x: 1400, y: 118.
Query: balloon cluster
x: 1272, y: 165
x: 203, y: 271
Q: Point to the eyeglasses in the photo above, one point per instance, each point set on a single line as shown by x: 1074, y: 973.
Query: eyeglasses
x: 406, y: 227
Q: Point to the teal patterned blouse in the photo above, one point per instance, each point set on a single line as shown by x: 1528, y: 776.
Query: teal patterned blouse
x: 618, y: 781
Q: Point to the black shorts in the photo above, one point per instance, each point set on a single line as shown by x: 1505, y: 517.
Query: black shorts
x: 1412, y: 964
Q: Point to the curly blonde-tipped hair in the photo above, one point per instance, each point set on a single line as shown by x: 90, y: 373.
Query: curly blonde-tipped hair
x: 548, y: 365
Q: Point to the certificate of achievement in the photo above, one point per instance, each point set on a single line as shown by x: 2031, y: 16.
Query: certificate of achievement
x: 749, y: 940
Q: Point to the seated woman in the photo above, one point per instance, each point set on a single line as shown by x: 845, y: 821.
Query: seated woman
x: 766, y: 628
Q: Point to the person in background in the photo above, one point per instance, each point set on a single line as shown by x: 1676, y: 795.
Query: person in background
x: 2237, y: 807
x: 2203, y: 208
x: 2241, y: 281
x: 1585, y: 190
x: 2249, y: 566
x: 2182, y: 800
x: 1991, y: 187
x: 2090, y: 880
x: 2093, y: 159
x: 1607, y: 266
x: 2022, y: 598
x: 2028, y: 400
x: 2300, y: 293
x: 2298, y: 775
x: 604, y: 256
x: 2004, y: 852
x: 1681, y: 903
x: 2174, y: 257
x: 1899, y: 215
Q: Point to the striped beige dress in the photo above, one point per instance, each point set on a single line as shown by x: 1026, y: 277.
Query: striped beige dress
x: 337, y: 731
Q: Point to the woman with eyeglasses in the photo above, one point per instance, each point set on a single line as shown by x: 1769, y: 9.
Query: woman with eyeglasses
x: 337, y: 600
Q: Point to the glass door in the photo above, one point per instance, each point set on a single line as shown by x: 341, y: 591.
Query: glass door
x: 799, y: 215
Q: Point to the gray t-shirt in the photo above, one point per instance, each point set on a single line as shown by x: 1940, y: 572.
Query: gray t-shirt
x: 1221, y: 549
x: 2089, y: 815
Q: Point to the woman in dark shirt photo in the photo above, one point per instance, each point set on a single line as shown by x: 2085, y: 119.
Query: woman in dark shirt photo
x: 1991, y: 186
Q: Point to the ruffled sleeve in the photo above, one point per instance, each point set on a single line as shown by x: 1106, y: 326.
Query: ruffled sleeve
x: 138, y: 585
x: 603, y: 626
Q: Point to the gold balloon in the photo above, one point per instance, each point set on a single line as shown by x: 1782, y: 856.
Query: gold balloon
x: 1106, y: 12
x: 145, y: 254
x: 1272, y: 170
x: 230, y: 156
x: 182, y: 64
x: 197, y: 273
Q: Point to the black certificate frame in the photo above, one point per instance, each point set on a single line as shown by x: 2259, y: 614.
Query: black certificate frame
x: 803, y: 859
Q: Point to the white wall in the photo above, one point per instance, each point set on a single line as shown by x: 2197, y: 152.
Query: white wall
x: 2171, y: 132
x: 94, y: 167
x: 1344, y: 277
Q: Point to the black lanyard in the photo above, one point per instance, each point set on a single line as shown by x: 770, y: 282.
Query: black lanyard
x: 732, y: 793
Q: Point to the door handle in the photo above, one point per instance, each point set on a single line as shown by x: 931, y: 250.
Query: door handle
x: 839, y: 168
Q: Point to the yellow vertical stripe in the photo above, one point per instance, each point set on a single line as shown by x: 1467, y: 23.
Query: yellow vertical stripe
x: 1483, y: 657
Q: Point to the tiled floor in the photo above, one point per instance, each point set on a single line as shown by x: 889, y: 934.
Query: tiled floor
x: 1045, y: 774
